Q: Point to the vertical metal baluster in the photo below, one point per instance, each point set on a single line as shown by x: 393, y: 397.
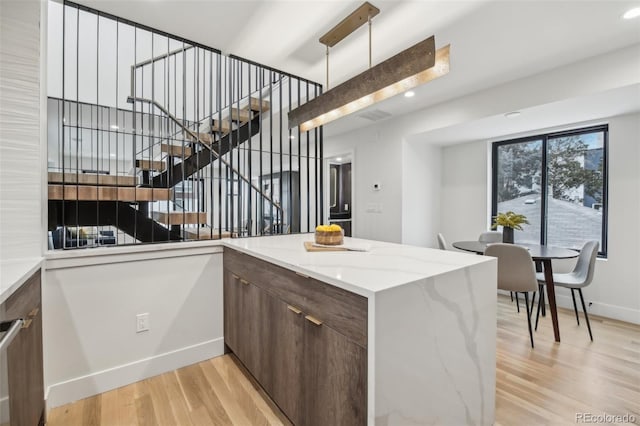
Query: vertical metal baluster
x: 152, y: 133
x: 134, y: 132
x: 308, y: 175
x: 219, y: 106
x: 317, y: 164
x: 239, y: 148
x: 299, y: 213
x: 210, y: 118
x: 322, y: 169
x: 77, y: 202
x: 184, y: 121
x: 247, y: 225
x: 97, y: 124
x: 279, y: 212
x: 260, y: 219
x: 290, y: 212
x: 169, y: 125
x: 271, y: 192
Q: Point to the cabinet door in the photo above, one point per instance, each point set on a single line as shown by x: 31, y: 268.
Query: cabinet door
x: 232, y: 312
x: 246, y: 324
x: 24, y: 356
x: 335, y: 378
x: 283, y: 343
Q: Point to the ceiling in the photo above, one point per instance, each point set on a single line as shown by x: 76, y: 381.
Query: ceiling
x: 492, y: 42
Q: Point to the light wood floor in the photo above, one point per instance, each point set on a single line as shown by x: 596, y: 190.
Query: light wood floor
x: 547, y: 385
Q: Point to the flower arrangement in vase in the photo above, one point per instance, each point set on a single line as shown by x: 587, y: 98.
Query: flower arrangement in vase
x: 509, y: 221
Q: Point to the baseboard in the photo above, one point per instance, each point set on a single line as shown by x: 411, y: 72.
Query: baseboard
x: 102, y: 381
x: 619, y: 313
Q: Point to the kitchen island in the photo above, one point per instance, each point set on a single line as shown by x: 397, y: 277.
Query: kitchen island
x: 395, y: 335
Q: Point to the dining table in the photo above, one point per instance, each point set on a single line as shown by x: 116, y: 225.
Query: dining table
x: 541, y: 254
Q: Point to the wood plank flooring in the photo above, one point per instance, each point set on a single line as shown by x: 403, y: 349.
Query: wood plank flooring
x: 547, y: 385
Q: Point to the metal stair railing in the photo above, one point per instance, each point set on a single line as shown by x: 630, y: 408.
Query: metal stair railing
x: 196, y: 138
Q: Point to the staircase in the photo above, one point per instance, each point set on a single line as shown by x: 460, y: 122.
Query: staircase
x: 124, y: 201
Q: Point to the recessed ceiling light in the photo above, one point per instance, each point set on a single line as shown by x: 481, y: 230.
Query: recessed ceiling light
x: 338, y: 158
x: 632, y: 13
x: 409, y: 94
x: 513, y: 114
x: 114, y: 127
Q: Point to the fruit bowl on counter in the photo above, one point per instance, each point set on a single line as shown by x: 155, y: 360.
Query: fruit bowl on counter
x: 329, y: 235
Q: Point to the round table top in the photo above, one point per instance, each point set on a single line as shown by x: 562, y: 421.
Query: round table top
x: 537, y: 251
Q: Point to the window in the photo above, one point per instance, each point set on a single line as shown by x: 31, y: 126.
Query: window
x: 557, y: 180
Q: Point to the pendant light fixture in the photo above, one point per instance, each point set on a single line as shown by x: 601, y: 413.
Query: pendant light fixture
x: 408, y: 69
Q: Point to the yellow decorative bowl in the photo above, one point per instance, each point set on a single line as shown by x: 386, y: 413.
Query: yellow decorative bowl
x: 330, y: 238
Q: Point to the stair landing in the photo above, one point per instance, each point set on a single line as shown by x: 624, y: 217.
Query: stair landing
x: 179, y: 218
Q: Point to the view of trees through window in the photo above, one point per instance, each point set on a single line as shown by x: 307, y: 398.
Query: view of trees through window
x: 559, y: 182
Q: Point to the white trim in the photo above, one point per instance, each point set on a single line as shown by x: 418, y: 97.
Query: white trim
x: 105, y: 255
x: 604, y: 310
x: 102, y: 381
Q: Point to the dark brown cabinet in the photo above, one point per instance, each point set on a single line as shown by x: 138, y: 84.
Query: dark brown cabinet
x: 310, y: 360
x: 24, y: 355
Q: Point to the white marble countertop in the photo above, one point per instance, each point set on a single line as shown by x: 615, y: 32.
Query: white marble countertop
x: 13, y: 273
x: 384, y: 266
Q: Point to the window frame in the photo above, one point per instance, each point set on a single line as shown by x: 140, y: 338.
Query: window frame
x: 544, y: 137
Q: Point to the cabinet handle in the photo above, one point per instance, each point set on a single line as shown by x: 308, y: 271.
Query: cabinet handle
x: 294, y: 309
x: 245, y: 282
x: 302, y: 275
x: 27, y: 323
x: 235, y: 277
x: 314, y: 320
x: 34, y: 312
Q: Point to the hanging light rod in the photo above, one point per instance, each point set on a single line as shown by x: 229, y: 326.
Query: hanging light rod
x: 404, y: 71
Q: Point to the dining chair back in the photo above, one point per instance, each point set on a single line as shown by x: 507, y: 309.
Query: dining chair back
x: 516, y: 272
x: 442, y: 244
x: 490, y: 237
x: 582, y: 273
x: 576, y: 280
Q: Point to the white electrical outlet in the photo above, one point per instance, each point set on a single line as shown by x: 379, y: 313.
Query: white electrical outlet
x: 142, y: 322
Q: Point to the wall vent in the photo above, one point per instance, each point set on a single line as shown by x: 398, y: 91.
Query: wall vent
x: 375, y: 115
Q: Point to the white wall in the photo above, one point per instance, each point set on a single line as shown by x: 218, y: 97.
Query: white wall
x: 20, y: 161
x: 90, y: 303
x: 421, y: 192
x: 377, y: 153
x: 615, y: 291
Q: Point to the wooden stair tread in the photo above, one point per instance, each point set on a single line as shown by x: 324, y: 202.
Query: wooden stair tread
x: 204, y: 233
x: 92, y: 179
x: 151, y: 165
x: 254, y: 105
x: 176, y: 150
x: 179, y: 218
x: 108, y: 193
x: 242, y: 115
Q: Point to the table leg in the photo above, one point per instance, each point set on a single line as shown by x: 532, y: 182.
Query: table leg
x: 551, y: 295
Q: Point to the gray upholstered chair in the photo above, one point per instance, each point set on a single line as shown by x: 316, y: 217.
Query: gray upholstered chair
x: 442, y: 244
x: 496, y: 237
x: 516, y: 272
x: 580, y: 277
x: 490, y: 237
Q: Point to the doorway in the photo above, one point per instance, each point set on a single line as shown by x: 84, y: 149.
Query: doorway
x: 340, y: 193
